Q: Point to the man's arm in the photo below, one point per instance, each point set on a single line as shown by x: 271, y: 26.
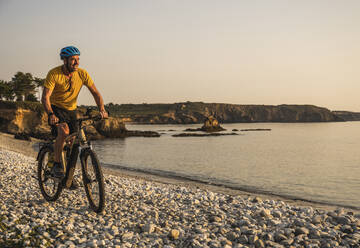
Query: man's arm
x: 45, y: 99
x: 99, y: 100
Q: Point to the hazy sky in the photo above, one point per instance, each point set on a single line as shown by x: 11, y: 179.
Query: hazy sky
x: 166, y: 51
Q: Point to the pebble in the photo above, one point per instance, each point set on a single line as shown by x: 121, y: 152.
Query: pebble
x: 301, y: 230
x: 174, y: 234
x: 142, y: 213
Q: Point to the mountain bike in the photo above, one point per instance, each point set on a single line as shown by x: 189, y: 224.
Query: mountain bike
x: 92, y: 177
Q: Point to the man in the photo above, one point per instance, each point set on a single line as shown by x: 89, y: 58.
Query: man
x: 61, y: 89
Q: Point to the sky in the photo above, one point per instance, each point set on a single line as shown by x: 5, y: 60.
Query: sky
x: 164, y: 51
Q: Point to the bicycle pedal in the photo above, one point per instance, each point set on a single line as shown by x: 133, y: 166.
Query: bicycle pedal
x: 56, y: 179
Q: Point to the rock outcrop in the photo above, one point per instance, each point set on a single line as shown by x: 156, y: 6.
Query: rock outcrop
x: 202, y: 134
x: 211, y: 125
x: 111, y: 127
x: 27, y: 121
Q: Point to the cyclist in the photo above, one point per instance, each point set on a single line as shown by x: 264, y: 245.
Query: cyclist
x: 61, y: 89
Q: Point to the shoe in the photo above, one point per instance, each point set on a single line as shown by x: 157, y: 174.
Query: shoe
x: 74, y: 184
x: 58, y: 170
x: 50, y: 163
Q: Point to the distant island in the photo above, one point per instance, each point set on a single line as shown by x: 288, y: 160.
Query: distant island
x: 197, y: 112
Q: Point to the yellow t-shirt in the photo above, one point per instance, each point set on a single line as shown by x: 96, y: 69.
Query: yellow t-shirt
x: 64, y: 93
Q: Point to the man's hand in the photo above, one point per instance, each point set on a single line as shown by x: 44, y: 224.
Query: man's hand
x: 53, y: 119
x: 104, y: 114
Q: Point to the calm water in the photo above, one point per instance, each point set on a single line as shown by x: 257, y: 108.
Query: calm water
x: 316, y: 161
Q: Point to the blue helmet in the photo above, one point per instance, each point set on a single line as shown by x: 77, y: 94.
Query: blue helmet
x: 68, y: 52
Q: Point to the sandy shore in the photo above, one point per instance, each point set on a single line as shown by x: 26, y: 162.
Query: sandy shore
x: 30, y: 148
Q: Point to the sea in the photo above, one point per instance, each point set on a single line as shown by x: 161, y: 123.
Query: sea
x: 317, y: 162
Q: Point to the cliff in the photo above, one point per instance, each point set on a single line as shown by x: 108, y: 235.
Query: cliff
x: 348, y: 116
x: 197, y: 112
x: 24, y: 117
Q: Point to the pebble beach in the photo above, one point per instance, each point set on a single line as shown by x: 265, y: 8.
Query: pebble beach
x: 143, y: 213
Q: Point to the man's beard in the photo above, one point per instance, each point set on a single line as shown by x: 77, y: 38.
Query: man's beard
x: 70, y: 68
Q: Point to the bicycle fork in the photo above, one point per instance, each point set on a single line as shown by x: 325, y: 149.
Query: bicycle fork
x: 71, y: 164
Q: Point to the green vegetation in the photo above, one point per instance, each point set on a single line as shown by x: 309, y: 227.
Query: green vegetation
x: 22, y: 87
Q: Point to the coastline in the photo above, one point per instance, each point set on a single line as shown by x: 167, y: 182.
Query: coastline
x: 151, y: 211
x: 30, y: 148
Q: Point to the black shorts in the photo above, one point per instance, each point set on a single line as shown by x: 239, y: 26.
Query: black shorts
x: 67, y: 116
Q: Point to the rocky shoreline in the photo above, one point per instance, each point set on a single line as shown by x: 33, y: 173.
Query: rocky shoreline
x: 142, y: 213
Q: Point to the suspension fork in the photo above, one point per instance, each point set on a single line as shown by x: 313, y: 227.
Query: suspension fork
x: 71, y: 165
x: 84, y: 152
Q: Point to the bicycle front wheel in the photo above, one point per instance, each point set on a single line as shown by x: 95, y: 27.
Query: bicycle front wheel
x: 93, y: 180
x: 50, y: 187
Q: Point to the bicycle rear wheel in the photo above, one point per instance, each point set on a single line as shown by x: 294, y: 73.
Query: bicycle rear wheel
x: 93, y: 180
x: 50, y: 187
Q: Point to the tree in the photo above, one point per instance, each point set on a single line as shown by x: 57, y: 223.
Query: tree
x: 31, y: 98
x: 23, y: 85
x: 6, y: 91
x: 3, y: 88
x: 39, y: 82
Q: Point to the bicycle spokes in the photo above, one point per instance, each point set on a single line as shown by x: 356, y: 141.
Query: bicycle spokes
x: 93, y: 181
x: 49, y: 186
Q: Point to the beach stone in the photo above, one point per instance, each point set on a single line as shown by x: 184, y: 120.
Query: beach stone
x: 342, y: 220
x: 259, y: 243
x: 101, y: 243
x: 287, y: 242
x: 257, y: 200
x: 232, y: 236
x: 244, y: 223
x: 174, y: 234
x: 127, y: 236
x: 69, y: 243
x: 279, y: 237
x: 243, y: 239
x: 299, y: 223
x: 301, y: 230
x: 252, y: 239
x: 277, y: 214
x: 273, y: 244
x: 347, y: 229
x: 340, y: 211
x: 265, y: 213
x: 314, y: 234
x: 215, y: 219
x: 316, y: 219
x: 149, y: 228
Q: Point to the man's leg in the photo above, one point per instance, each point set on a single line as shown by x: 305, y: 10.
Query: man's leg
x: 63, y: 132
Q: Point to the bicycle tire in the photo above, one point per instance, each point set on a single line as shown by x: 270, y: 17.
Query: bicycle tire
x: 93, y: 180
x: 44, y: 176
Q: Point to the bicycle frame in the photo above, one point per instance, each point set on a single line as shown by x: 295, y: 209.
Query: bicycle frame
x: 71, y: 150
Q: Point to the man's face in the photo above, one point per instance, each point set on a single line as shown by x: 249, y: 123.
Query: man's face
x: 72, y: 63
